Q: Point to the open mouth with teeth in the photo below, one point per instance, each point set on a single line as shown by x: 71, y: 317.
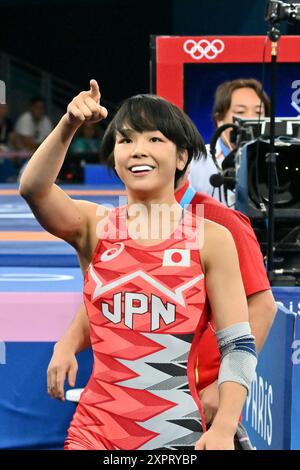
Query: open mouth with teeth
x: 141, y: 169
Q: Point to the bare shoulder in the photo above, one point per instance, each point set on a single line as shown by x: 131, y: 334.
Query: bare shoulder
x: 215, y: 232
x: 217, y: 243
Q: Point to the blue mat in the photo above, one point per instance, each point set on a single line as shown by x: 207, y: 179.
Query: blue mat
x: 32, y: 279
x: 41, y: 254
x: 16, y: 216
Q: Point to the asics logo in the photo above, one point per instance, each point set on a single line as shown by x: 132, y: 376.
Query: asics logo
x: 204, y: 48
x: 112, y: 252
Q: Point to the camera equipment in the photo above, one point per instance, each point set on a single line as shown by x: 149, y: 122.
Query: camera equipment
x: 246, y: 170
x: 256, y: 134
x: 226, y: 173
x: 276, y: 11
x: 215, y: 138
x: 252, y: 179
x: 279, y: 11
x: 248, y: 129
x: 272, y: 160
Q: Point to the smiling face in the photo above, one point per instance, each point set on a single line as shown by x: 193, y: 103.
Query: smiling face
x: 150, y: 143
x: 147, y: 161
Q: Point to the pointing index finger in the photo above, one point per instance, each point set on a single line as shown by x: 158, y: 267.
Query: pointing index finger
x: 94, y: 90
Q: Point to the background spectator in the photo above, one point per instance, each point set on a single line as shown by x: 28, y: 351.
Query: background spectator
x: 6, y: 128
x: 243, y: 97
x: 33, y: 126
x: 88, y: 139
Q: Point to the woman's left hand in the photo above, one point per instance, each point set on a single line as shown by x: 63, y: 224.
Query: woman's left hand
x: 215, y: 439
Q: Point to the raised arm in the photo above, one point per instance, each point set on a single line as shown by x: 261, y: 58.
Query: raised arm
x: 53, y: 208
x: 228, y: 302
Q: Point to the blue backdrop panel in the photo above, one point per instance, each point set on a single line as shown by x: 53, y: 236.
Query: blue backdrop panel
x: 267, y: 412
x: 289, y: 297
x: 200, y: 84
x: 295, y: 440
x: 29, y: 418
x: 99, y: 174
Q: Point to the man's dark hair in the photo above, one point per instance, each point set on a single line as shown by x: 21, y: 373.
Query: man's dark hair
x: 36, y: 99
x: 224, y: 92
x: 149, y: 113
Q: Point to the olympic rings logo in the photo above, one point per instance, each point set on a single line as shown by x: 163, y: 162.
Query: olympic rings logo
x: 204, y: 48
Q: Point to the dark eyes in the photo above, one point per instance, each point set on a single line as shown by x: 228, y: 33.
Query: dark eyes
x: 127, y: 140
x: 243, y: 112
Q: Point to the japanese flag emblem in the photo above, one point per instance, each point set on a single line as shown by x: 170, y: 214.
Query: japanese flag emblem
x: 177, y: 258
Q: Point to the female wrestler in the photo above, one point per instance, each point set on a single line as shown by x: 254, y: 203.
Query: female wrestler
x: 146, y: 295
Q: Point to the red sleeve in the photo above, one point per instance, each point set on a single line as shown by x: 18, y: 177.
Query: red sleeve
x: 250, y: 257
x: 252, y: 269
x: 254, y: 277
x: 252, y: 266
x: 208, y: 359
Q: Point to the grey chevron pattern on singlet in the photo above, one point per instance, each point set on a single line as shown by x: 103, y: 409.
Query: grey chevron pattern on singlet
x: 191, y: 422
x: 179, y: 426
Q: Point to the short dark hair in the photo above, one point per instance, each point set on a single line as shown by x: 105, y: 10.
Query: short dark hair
x: 36, y: 99
x: 147, y: 112
x: 224, y: 92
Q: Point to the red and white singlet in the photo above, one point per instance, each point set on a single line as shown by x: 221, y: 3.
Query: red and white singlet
x: 146, y: 308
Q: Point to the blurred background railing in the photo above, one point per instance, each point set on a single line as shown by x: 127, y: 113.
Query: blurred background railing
x: 24, y: 80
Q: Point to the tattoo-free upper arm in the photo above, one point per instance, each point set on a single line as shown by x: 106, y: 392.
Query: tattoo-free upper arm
x: 224, y: 284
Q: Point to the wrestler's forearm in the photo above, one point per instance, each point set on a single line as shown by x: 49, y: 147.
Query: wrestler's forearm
x: 77, y: 337
x: 232, y: 398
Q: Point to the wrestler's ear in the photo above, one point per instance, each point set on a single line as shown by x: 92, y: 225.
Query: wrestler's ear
x: 182, y: 158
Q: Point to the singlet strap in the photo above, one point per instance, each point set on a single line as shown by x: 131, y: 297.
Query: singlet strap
x: 187, y: 197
